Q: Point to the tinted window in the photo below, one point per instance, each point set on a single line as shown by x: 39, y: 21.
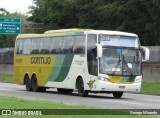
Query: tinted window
x: 20, y: 44
x: 67, y: 45
x: 17, y: 46
x: 44, y: 45
x: 35, y: 46
x: 79, y: 45
x: 27, y: 46
x: 55, y: 45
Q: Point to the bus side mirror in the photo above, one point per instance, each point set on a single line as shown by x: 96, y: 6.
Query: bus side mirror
x: 99, y: 50
x: 145, y: 53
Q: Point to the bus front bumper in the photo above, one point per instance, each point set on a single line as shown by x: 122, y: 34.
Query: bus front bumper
x: 108, y: 86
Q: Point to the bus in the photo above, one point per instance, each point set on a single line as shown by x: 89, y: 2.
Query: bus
x: 85, y: 60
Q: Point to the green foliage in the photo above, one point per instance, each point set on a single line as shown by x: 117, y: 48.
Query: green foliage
x: 55, y: 13
x: 137, y: 16
x: 6, y: 40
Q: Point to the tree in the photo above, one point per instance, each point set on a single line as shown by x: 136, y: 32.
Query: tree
x: 137, y: 16
x: 54, y: 14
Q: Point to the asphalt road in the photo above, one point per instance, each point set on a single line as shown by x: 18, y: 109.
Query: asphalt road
x: 128, y: 100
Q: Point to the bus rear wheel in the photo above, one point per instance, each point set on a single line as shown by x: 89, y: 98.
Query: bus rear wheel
x: 81, y: 91
x: 35, y: 87
x: 117, y: 94
x: 34, y: 84
x: 28, y: 83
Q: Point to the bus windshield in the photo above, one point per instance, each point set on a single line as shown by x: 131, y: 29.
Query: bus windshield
x: 119, y: 61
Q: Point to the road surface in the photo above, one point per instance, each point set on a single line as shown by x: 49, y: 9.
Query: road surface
x: 106, y: 101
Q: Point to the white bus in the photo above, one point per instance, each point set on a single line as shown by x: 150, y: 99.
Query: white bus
x: 83, y: 59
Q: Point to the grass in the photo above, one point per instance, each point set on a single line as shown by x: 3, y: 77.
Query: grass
x: 151, y: 88
x: 16, y: 103
x: 147, y: 88
x: 6, y: 78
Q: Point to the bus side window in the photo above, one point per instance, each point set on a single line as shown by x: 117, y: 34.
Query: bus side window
x: 17, y: 46
x: 79, y: 45
x: 27, y: 46
x: 67, y: 45
x: 55, y: 45
x: 35, y: 46
x: 44, y: 45
x: 20, y: 46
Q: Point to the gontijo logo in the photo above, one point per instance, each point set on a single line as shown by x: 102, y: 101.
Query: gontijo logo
x: 40, y: 60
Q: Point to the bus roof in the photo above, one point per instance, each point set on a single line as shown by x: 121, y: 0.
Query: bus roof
x: 66, y: 30
x: 60, y: 32
x: 109, y: 32
x: 73, y: 31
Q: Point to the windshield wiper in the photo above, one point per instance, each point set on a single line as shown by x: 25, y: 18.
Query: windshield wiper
x: 127, y: 69
x: 126, y: 63
x: 116, y: 67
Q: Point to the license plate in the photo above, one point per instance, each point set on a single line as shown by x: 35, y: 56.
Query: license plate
x: 122, y: 87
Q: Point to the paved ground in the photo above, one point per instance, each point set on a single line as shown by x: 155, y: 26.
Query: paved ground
x: 128, y: 101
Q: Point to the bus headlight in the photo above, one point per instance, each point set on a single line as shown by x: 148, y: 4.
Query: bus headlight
x: 103, y: 79
x: 138, y: 80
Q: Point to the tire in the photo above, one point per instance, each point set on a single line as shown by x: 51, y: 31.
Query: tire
x: 81, y: 91
x: 28, y: 83
x: 34, y: 84
x: 117, y: 94
x: 65, y: 91
x: 60, y: 90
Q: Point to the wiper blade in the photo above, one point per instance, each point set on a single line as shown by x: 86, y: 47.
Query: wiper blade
x: 116, y: 67
x: 127, y: 69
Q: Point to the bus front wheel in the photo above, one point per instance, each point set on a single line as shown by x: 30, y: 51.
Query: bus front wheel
x: 28, y: 83
x: 81, y: 91
x: 117, y: 94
